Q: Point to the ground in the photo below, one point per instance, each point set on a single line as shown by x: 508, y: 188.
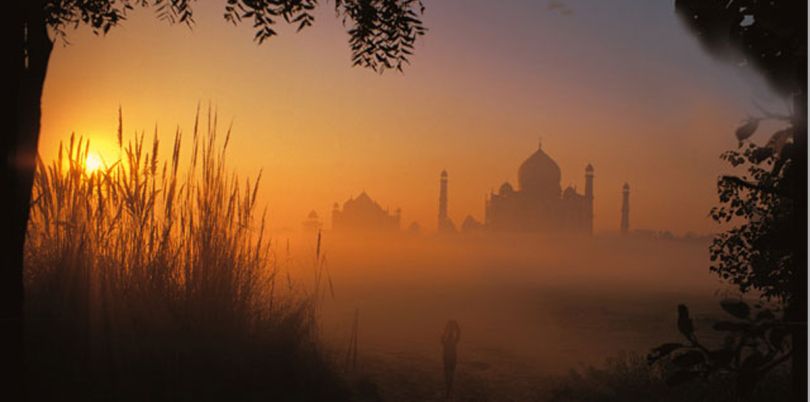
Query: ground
x: 529, y: 312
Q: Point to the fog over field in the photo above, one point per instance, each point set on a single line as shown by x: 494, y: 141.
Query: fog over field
x: 544, y: 303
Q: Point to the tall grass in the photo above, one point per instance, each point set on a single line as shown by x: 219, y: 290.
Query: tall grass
x: 151, y: 279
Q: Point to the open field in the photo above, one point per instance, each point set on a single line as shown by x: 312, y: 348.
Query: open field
x: 529, y: 308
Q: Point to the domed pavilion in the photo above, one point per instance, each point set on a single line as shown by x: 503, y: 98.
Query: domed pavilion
x: 539, y: 204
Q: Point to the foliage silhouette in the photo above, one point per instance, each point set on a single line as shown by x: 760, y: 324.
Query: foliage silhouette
x: 753, y: 345
x: 768, y: 251
x: 766, y: 36
x: 756, y: 253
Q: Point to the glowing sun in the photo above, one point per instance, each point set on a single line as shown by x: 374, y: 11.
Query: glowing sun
x: 93, y: 162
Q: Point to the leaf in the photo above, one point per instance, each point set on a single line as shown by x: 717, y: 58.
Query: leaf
x: 764, y: 315
x: 662, y: 351
x: 754, y: 361
x: 721, y: 357
x: 689, y: 359
x: 783, y: 156
x: 684, y: 322
x: 748, y: 375
x: 736, y: 308
x: 730, y: 326
x: 777, y: 337
x: 779, y: 139
x: 680, y: 377
x: 748, y: 129
x: 761, y: 154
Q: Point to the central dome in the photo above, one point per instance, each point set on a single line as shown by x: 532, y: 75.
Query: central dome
x: 539, y: 174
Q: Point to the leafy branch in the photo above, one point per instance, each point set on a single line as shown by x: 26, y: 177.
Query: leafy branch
x: 754, y: 344
x: 382, y: 33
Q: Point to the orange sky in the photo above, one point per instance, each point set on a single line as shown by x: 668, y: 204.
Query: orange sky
x: 622, y: 86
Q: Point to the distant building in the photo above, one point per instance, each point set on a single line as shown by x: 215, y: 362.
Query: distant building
x: 414, y: 229
x: 445, y: 225
x: 539, y: 205
x: 625, y: 224
x: 313, y: 223
x: 471, y: 225
x: 363, y: 214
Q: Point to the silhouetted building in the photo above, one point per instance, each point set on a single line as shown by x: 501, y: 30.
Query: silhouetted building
x: 625, y: 225
x: 362, y: 214
x: 589, y: 195
x: 471, y: 225
x: 313, y: 222
x: 539, y: 204
x: 445, y: 225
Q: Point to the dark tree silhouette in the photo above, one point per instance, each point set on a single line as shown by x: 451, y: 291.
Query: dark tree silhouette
x: 382, y: 34
x: 768, y: 252
x: 756, y: 252
x: 768, y: 36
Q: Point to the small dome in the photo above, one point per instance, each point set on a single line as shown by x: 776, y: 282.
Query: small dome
x: 312, y: 215
x: 362, y: 202
x: 540, y: 174
x: 470, y: 224
x: 506, y: 188
x: 589, y: 168
x: 569, y: 191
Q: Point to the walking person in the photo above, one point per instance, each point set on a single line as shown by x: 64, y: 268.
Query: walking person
x: 450, y: 337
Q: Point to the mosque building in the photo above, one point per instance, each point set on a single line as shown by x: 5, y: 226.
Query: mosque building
x: 539, y: 204
x: 363, y: 214
x: 312, y: 224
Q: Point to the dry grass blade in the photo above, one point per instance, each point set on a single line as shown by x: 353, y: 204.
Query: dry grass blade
x: 164, y: 272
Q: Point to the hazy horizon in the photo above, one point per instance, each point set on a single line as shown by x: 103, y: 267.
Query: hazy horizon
x: 644, y: 104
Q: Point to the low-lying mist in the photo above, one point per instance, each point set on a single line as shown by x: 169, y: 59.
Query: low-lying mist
x: 545, y: 303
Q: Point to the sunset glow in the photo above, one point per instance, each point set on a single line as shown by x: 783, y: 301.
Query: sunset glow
x: 475, y: 101
x: 406, y: 201
x: 93, y: 163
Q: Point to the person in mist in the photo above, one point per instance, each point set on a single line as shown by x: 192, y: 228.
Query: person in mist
x: 450, y: 337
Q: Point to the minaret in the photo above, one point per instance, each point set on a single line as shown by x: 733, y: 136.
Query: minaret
x: 335, y: 216
x: 589, y: 195
x: 625, y: 209
x: 442, y: 226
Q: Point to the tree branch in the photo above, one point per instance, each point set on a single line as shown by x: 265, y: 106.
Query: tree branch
x: 754, y: 186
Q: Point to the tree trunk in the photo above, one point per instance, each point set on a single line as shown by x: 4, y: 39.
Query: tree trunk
x: 18, y: 148
x: 797, y: 309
